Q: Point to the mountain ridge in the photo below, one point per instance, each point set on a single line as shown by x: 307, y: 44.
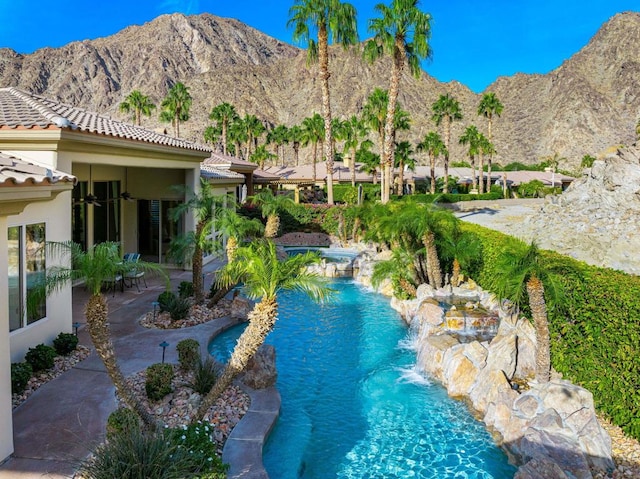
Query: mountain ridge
x: 586, y: 105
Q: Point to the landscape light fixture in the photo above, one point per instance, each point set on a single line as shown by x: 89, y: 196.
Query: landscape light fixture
x: 163, y: 345
x: 156, y: 306
x: 76, y: 325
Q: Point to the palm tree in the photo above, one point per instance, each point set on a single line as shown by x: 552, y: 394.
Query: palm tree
x: 374, y: 114
x: 261, y: 155
x: 99, y: 264
x: 279, y: 136
x: 331, y: 20
x: 447, y: 109
x: 461, y: 248
x: 369, y: 160
x: 192, y: 245
x: 353, y: 132
x: 212, y: 134
x: 253, y: 129
x: 471, y: 137
x: 485, y: 148
x: 313, y: 132
x: 238, y: 136
x: 403, y: 153
x: 272, y: 205
x: 176, y: 105
x: 490, y: 106
x: 224, y: 114
x: 263, y: 276
x: 523, y: 276
x: 296, y: 137
x: 138, y: 104
x: 434, y: 146
x: 403, y: 32
x: 235, y: 228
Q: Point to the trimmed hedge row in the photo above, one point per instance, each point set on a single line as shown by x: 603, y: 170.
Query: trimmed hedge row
x: 448, y: 198
x: 595, y: 342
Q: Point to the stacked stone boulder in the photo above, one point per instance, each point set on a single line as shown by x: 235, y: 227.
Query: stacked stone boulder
x: 549, y: 430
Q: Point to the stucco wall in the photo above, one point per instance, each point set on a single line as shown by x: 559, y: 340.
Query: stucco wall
x: 6, y: 423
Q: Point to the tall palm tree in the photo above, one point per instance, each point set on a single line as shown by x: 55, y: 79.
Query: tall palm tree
x: 434, y: 146
x: 334, y: 21
x: 223, y: 114
x: 313, y: 132
x: 138, y: 104
x: 485, y: 148
x: 461, y: 249
x: 99, y: 264
x: 176, y: 106
x: 272, y: 205
x: 253, y: 129
x: 471, y: 138
x: 257, y: 267
x: 369, y: 160
x: 192, y: 245
x: 446, y: 109
x: 352, y: 133
x: 489, y: 107
x: 212, y: 134
x: 296, y: 137
x: 235, y: 228
x: 238, y: 136
x: 523, y: 276
x: 374, y: 114
x: 402, y: 31
x: 279, y: 136
x: 403, y: 153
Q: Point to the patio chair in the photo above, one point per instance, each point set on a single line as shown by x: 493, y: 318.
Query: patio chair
x: 133, y: 274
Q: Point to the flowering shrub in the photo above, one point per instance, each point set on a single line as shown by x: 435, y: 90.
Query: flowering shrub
x: 195, y: 439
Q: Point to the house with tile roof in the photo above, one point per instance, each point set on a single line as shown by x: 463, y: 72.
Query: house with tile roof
x: 25, y: 189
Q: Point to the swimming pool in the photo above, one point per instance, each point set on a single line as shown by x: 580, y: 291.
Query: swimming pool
x: 353, y: 405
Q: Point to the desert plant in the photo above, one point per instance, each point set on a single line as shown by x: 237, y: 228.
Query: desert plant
x: 178, y: 308
x: 158, y: 382
x: 185, y: 290
x: 122, y: 420
x: 168, y: 454
x: 188, y: 353
x: 20, y: 375
x: 205, y: 374
x: 164, y: 299
x: 41, y: 357
x: 65, y: 343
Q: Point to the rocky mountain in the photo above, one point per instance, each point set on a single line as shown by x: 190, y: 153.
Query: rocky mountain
x: 588, y: 104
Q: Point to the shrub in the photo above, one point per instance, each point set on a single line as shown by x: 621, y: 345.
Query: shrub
x: 185, y: 290
x: 20, y: 375
x: 65, y: 343
x: 136, y: 453
x: 205, y: 375
x: 164, y: 298
x: 158, y: 383
x: 122, y: 420
x: 41, y: 357
x: 178, y: 308
x: 188, y: 353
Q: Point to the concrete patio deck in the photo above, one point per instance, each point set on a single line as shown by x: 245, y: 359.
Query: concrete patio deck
x: 59, y: 424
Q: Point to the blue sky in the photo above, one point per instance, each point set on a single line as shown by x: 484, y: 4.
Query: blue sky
x: 473, y: 41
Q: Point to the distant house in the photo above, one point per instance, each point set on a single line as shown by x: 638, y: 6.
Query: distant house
x: 71, y: 174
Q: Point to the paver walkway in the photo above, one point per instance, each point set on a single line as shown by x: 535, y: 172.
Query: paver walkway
x: 60, y: 422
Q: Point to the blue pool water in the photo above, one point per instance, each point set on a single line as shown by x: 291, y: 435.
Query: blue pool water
x: 353, y: 405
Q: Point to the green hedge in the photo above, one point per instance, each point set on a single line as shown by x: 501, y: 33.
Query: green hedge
x: 595, y: 342
x: 448, y: 198
x: 344, y: 193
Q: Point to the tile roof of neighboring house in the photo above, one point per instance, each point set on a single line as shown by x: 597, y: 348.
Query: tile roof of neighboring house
x: 304, y: 173
x: 21, y: 109
x: 211, y: 172
x: 15, y: 171
x: 230, y: 161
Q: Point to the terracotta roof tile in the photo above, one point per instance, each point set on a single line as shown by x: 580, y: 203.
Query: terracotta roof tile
x: 211, y: 172
x: 21, y: 109
x: 15, y: 171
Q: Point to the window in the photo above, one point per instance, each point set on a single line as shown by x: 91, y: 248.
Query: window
x: 27, y: 268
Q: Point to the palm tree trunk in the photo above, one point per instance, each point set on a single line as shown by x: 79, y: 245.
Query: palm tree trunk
x: 401, y: 179
x: 296, y: 151
x: 323, y: 59
x: 432, y: 159
x: 232, y: 247
x: 481, y: 172
x: 196, y: 265
x: 535, y: 290
x: 272, y: 226
x: 455, y: 274
x: 96, y: 312
x: 352, y: 166
x: 433, y: 263
x: 224, y: 137
x: 315, y: 159
x: 447, y: 137
x: 262, y: 319
x: 490, y: 160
